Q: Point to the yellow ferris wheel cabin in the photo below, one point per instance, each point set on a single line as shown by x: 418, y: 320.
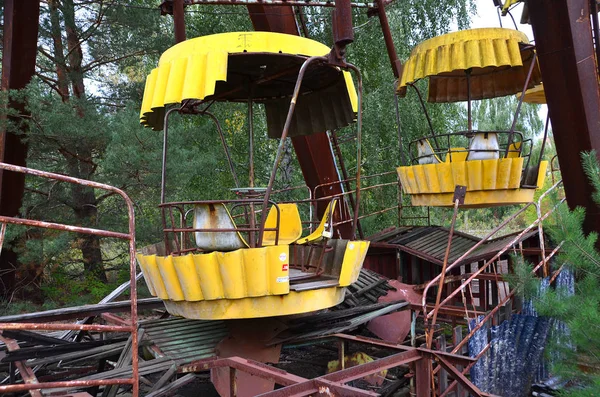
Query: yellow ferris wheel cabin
x: 495, y: 166
x: 251, y: 256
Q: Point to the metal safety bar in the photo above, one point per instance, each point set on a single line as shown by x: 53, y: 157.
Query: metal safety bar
x: 131, y: 328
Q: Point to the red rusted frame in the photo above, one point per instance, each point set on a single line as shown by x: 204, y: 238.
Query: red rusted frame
x: 474, y: 390
x: 69, y: 384
x: 488, y: 262
x: 459, y: 260
x: 164, y: 207
x: 565, y: 48
x: 276, y: 3
x: 26, y: 373
x: 442, y: 274
x: 284, y: 134
x: 132, y: 328
x: 505, y: 300
x: 298, y: 386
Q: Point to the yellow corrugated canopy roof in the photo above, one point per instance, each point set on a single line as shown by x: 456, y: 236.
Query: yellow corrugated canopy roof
x: 191, y: 70
x: 498, y: 65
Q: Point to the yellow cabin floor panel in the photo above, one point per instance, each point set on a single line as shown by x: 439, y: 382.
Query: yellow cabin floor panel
x: 265, y: 306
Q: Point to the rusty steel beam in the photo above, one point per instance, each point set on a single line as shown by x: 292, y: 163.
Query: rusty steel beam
x: 456, y: 374
x: 563, y: 38
x: 272, y: 3
x: 389, y: 41
x: 179, y: 21
x: 314, y: 152
x: 26, y: 373
x: 18, y: 67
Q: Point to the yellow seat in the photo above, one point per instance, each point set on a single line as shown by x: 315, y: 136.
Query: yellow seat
x: 514, y: 150
x: 216, y: 216
x: 325, y: 228
x: 290, y: 225
x: 458, y: 154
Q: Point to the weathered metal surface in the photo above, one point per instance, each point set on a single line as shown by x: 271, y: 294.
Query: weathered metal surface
x: 563, y: 39
x: 19, y: 51
x: 389, y: 41
x: 284, y: 4
x: 185, y: 340
x: 178, y: 20
x: 395, y: 327
x: 315, y: 156
x: 428, y: 242
x: 26, y: 373
x: 247, y: 339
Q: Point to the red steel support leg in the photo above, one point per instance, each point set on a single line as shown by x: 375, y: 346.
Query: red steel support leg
x: 423, y: 377
x: 563, y: 38
x: 314, y: 151
x: 18, y: 66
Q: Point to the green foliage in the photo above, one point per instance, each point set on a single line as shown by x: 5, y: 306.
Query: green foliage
x: 522, y: 280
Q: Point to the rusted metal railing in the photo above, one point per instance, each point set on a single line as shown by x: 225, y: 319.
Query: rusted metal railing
x: 130, y: 328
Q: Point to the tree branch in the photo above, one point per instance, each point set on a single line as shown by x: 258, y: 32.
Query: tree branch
x: 97, y: 63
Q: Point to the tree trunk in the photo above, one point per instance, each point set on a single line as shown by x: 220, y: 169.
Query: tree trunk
x: 80, y: 160
x: 59, y: 53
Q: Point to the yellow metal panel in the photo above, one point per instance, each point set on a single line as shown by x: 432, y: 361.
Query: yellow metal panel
x: 216, y: 70
x: 513, y: 150
x: 476, y: 199
x: 445, y: 177
x: 146, y: 273
x: 156, y: 277
x: 456, y: 154
x: 431, y: 178
x: 490, y: 172
x: 175, y: 82
x: 207, y: 268
x: 255, y: 271
x: 194, y: 77
x: 266, y: 306
x: 535, y: 95
x: 278, y: 257
x: 232, y: 274
x: 542, y: 174
x: 515, y: 173
x: 354, y: 257
x: 503, y: 176
x: 459, y: 173
x: 351, y: 91
x: 188, y: 278
x: 420, y: 179
x: 169, y: 277
x: 474, y: 175
x: 148, y: 93
x: 407, y: 179
x: 463, y: 50
x: 160, y: 89
x: 493, y: 55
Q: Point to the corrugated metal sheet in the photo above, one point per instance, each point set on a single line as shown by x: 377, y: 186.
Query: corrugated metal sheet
x: 429, y: 243
x: 184, y: 340
x: 492, y: 247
